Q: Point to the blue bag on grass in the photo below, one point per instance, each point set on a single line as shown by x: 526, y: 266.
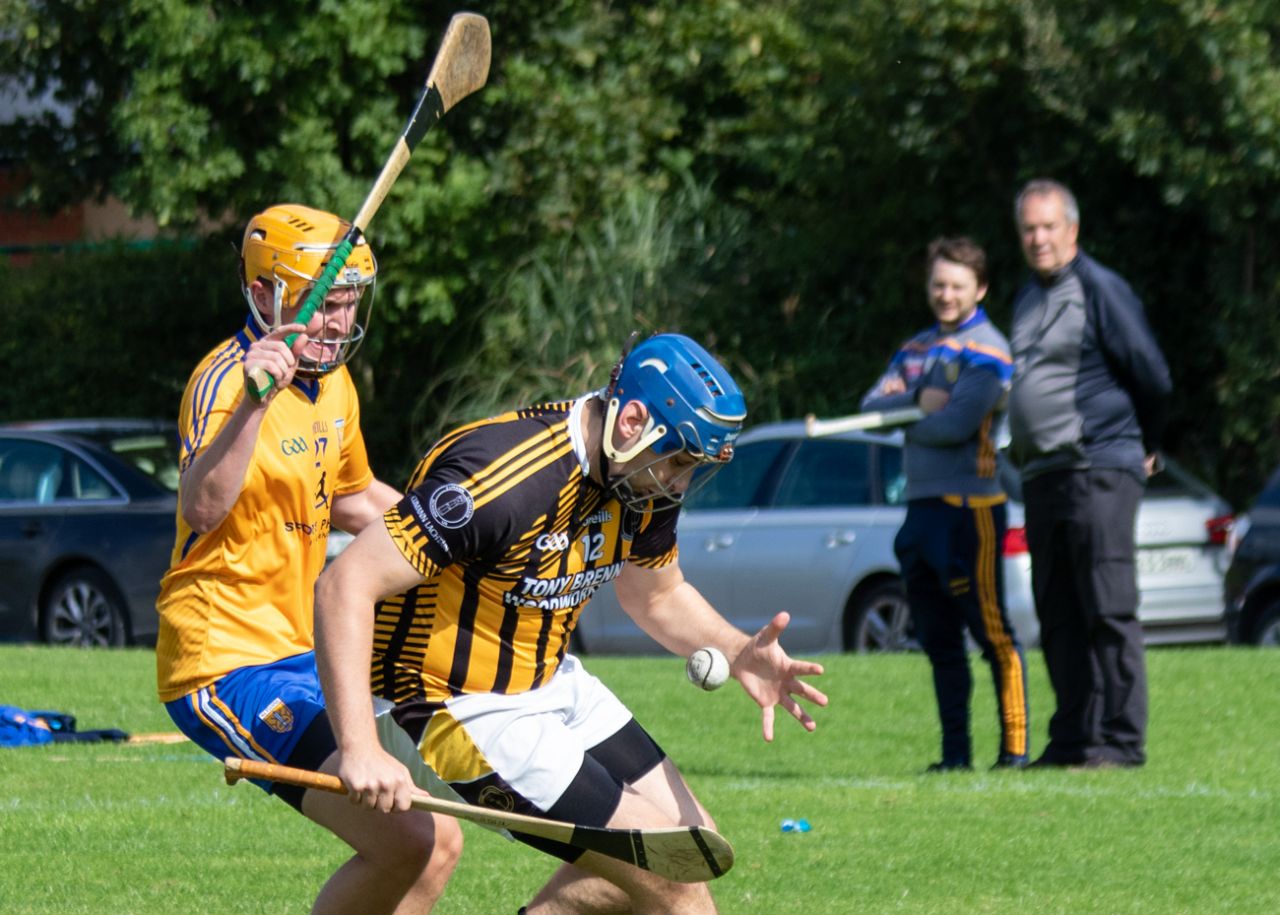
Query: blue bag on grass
x: 20, y: 728
x: 23, y: 728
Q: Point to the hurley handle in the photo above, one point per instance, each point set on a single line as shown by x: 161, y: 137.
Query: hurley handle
x: 236, y: 769
x: 460, y: 68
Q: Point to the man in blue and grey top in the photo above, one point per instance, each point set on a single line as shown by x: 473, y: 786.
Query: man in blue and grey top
x: 950, y: 544
x: 1086, y: 415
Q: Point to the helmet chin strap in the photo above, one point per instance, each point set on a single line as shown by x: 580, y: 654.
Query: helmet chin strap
x: 653, y: 432
x: 620, y: 486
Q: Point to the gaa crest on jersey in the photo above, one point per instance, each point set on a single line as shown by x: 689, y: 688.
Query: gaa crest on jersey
x: 277, y: 716
x: 451, y: 506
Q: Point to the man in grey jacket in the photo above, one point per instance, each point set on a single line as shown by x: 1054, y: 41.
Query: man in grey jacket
x: 950, y: 543
x: 1086, y: 414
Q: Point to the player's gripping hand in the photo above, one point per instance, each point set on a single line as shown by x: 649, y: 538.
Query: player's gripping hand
x: 772, y: 677
x: 376, y: 779
x: 275, y: 357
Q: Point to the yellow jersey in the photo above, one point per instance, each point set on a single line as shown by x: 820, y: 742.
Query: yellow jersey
x: 512, y: 538
x: 243, y: 593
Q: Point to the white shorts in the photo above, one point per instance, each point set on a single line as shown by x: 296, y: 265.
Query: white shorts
x: 534, y: 741
x: 565, y: 750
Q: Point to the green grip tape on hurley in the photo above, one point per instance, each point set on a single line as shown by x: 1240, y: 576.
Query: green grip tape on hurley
x: 260, y: 382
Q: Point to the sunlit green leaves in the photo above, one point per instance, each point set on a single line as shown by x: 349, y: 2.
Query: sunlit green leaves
x: 829, y: 140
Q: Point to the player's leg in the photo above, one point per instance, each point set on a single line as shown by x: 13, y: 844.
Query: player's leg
x: 275, y: 713
x: 650, y: 792
x: 402, y: 861
x: 568, y: 751
x: 977, y: 554
x: 594, y: 883
x: 1116, y: 639
x: 924, y: 550
x: 1057, y: 527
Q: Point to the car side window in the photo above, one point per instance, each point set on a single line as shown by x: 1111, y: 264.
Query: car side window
x: 87, y: 484
x: 737, y: 484
x: 827, y: 472
x: 154, y: 455
x: 30, y: 471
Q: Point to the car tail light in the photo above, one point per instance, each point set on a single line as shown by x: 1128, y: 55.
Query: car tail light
x: 1219, y: 529
x: 1015, y: 541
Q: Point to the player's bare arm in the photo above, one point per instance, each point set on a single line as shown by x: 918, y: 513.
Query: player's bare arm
x: 370, y: 568
x: 674, y: 614
x: 353, y: 511
x: 211, y: 484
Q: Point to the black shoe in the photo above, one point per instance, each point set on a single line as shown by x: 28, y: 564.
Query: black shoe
x: 1009, y: 761
x: 945, y: 766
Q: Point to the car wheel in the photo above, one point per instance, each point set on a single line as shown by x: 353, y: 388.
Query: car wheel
x: 1267, y: 632
x: 83, y: 609
x: 879, y: 620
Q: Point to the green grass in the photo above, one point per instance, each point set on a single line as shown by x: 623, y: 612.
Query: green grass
x: 140, y: 829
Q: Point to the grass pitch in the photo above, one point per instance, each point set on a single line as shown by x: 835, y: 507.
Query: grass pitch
x: 153, y: 828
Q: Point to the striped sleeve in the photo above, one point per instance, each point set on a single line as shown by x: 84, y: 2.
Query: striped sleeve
x: 211, y: 396
x: 655, y: 544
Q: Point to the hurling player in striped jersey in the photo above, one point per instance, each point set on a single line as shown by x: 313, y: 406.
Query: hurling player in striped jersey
x: 466, y: 596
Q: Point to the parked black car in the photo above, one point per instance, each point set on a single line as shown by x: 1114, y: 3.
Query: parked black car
x: 1252, y: 585
x: 86, y: 528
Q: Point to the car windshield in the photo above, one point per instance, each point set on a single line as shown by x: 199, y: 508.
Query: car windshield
x: 738, y: 483
x: 154, y: 454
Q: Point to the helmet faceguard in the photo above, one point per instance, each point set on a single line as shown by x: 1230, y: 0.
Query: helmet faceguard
x: 694, y: 406
x: 287, y: 247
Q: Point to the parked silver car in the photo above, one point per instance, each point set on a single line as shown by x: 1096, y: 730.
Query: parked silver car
x: 807, y: 525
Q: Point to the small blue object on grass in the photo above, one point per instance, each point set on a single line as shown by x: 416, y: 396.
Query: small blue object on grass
x: 790, y: 825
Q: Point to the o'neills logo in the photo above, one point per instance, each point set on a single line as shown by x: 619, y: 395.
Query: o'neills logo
x: 495, y: 798
x: 451, y: 506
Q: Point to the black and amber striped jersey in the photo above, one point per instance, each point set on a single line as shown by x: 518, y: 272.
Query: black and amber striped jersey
x: 512, y: 538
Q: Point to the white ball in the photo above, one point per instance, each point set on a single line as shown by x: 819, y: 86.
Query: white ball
x: 707, y: 668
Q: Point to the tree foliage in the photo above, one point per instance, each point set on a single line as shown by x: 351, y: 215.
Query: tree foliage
x: 763, y: 174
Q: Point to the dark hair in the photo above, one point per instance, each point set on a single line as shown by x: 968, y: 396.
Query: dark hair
x: 960, y: 250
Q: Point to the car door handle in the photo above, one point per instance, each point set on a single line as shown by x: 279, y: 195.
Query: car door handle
x: 840, y: 538
x: 32, y: 529
x: 718, y: 542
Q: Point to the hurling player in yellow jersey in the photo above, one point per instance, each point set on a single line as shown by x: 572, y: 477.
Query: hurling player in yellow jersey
x: 468, y: 592
x: 261, y: 485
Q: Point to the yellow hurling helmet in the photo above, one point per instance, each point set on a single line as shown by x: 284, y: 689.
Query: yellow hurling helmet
x: 287, y: 246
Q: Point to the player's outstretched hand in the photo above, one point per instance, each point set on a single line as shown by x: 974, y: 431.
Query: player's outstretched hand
x: 275, y: 357
x: 772, y: 677
x: 376, y: 779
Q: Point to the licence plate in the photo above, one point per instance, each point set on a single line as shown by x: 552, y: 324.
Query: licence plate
x: 1166, y: 561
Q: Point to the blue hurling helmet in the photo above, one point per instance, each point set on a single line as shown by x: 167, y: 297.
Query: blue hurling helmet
x: 694, y: 405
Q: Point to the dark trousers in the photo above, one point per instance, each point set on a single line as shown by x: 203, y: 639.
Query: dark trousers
x: 1080, y: 530
x: 954, y: 576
